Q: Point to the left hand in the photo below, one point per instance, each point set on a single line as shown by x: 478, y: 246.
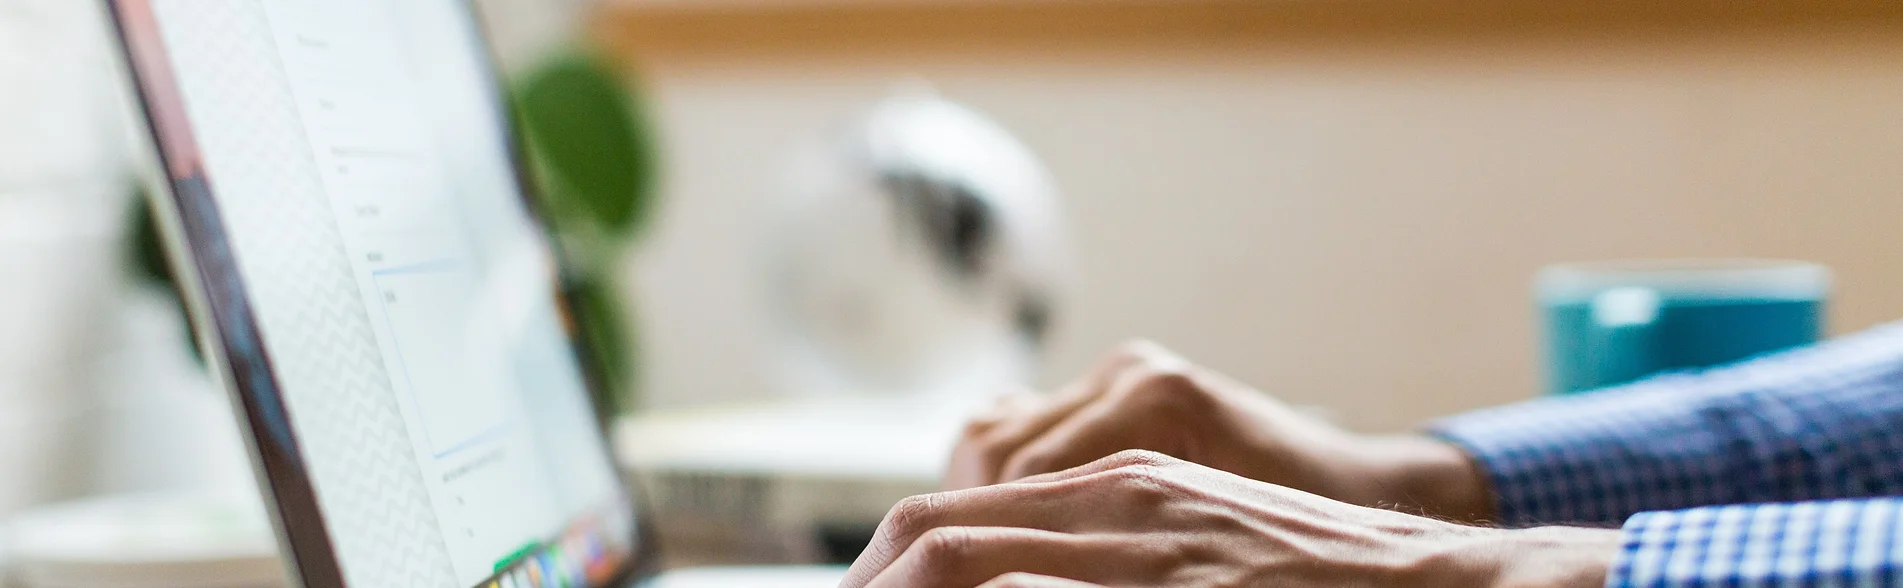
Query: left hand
x: 1144, y: 519
x: 1142, y: 396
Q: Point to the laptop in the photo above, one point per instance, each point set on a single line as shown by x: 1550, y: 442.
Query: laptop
x: 343, y: 200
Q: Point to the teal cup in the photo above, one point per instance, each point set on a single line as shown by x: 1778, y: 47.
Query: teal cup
x: 1608, y: 323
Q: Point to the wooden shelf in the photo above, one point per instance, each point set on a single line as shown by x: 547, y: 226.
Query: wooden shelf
x: 666, y: 28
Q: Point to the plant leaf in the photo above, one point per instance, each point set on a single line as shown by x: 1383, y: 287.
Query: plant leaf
x: 583, y: 126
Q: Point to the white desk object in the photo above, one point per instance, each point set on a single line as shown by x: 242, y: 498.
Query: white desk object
x: 752, y: 577
x: 6, y: 576
x: 145, y: 541
x: 751, y: 484
x: 872, y: 439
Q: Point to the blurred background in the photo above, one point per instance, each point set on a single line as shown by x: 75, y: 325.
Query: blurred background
x: 1341, y: 203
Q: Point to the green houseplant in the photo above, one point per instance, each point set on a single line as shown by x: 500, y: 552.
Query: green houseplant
x: 594, y: 162
x: 591, y: 158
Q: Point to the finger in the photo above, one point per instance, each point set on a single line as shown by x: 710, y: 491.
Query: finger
x: 960, y: 557
x: 982, y: 456
x: 1106, y: 496
x: 1132, y: 415
x: 1023, y: 580
x: 1122, y: 459
x: 1102, y: 379
x: 1090, y: 433
x: 1020, y: 400
x: 967, y: 468
x: 1050, y: 507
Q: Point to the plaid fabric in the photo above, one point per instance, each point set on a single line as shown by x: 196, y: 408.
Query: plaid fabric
x: 1841, y: 543
x: 1823, y: 422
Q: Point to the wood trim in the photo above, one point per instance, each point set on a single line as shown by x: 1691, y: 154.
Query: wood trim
x: 666, y: 29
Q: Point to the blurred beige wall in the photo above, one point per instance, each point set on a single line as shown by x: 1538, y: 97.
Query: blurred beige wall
x: 1343, y: 210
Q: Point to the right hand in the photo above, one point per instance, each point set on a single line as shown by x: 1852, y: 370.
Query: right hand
x: 1142, y: 396
x: 1139, y: 519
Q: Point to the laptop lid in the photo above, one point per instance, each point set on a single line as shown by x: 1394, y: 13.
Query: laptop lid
x: 345, y: 206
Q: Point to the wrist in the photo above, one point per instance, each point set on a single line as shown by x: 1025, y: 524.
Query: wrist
x: 1426, y: 476
x: 1545, y: 557
x: 1554, y: 557
x: 1513, y: 558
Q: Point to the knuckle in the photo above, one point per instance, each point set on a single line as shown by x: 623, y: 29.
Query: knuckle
x: 1140, y: 459
x: 1145, y: 476
x: 1143, y: 488
x: 914, y: 514
x: 992, y: 450
x: 1014, y: 580
x: 1137, y: 476
x: 993, y: 455
x: 987, y: 435
x: 1171, y: 388
x: 1029, y: 462
x: 941, y: 549
x: 1159, y: 382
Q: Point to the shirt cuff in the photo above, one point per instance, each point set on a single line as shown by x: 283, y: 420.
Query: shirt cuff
x: 1593, y: 459
x: 1805, y: 544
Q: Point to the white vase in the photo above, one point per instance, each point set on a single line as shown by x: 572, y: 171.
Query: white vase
x: 160, y: 423
x: 63, y: 191
x: 59, y: 270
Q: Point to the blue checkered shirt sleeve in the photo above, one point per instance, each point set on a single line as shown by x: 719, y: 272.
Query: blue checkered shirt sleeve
x: 1830, y: 544
x: 1824, y: 422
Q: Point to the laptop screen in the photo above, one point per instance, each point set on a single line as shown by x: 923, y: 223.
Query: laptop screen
x: 384, y: 302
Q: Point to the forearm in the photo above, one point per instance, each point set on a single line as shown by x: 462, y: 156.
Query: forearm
x: 1423, y: 475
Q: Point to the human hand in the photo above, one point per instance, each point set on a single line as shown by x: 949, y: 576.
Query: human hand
x: 1144, y: 519
x: 1144, y: 397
